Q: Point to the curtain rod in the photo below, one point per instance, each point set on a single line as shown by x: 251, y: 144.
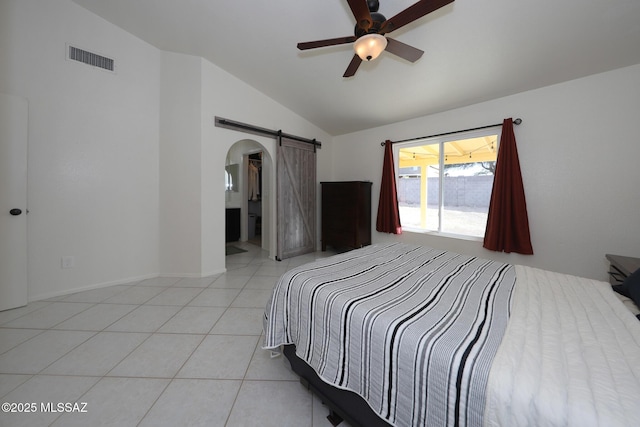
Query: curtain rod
x: 515, y: 122
x: 231, y: 124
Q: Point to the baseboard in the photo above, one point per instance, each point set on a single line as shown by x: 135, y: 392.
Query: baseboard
x: 120, y: 282
x: 90, y: 287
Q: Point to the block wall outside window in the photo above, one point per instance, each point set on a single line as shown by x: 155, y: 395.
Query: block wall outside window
x: 444, y: 186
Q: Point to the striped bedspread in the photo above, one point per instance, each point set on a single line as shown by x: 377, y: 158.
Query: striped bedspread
x: 411, y: 329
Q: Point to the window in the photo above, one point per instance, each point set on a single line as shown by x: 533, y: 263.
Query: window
x: 444, y: 184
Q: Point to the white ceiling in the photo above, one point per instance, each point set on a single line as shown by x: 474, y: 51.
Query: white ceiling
x: 474, y: 50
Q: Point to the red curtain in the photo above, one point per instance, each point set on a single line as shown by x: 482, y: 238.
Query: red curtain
x: 388, y: 214
x: 507, y: 222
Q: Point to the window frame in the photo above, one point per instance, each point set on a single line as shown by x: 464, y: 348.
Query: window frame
x: 441, y: 141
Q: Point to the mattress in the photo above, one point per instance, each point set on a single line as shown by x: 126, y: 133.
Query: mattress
x: 483, y: 343
x: 411, y: 329
x: 570, y: 356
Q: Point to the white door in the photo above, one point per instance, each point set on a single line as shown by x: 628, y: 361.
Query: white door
x: 13, y: 201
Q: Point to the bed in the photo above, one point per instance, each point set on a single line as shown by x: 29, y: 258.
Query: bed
x: 405, y: 335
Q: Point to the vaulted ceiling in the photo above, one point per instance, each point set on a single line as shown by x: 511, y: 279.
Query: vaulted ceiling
x: 474, y: 50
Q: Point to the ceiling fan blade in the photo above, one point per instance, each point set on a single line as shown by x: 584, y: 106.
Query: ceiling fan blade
x: 405, y: 51
x: 353, y: 66
x: 360, y: 11
x: 327, y: 42
x: 410, y: 14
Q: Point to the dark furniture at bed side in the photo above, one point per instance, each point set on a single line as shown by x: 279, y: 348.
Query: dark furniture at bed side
x: 346, y: 214
x: 621, y: 267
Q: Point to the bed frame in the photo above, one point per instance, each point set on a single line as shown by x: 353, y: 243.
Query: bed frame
x: 343, y: 404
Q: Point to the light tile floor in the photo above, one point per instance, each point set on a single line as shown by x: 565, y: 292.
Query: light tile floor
x: 160, y: 352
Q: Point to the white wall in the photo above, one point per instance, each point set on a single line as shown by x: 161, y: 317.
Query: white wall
x: 125, y: 169
x: 93, y: 145
x: 193, y: 154
x: 180, y: 169
x: 579, y: 147
x: 225, y: 96
x: 131, y: 195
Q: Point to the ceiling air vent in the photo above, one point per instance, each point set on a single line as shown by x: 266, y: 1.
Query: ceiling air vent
x: 90, y: 58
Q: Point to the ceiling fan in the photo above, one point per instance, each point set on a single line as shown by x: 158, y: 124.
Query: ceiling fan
x: 371, y: 28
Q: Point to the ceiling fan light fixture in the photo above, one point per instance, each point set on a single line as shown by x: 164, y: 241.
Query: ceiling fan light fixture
x: 370, y: 46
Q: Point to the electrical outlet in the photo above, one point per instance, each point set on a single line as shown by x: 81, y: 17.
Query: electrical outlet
x: 68, y: 262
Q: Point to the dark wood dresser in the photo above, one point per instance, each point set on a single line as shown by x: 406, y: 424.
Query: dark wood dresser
x: 346, y: 214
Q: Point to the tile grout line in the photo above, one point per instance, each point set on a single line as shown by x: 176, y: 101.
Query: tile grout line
x: 256, y: 260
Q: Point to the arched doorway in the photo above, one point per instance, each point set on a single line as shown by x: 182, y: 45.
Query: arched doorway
x: 251, y: 192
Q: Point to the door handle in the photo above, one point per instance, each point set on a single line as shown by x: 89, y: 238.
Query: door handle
x: 15, y: 212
